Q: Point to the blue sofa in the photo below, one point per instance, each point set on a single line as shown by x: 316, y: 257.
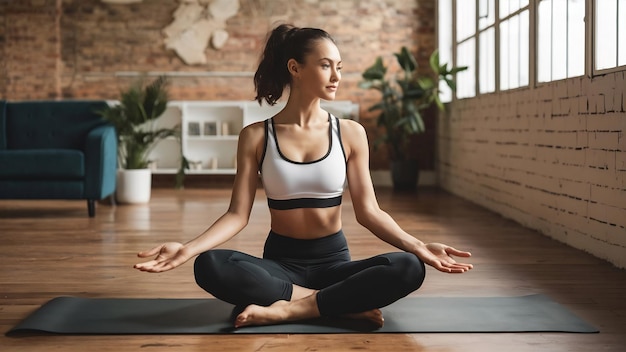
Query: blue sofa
x: 56, y: 150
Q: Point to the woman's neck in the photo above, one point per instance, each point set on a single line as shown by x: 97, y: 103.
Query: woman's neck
x: 302, y: 111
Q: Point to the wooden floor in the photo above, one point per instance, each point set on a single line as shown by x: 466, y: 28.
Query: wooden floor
x: 51, y: 248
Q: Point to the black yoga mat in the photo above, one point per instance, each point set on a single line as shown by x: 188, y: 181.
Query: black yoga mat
x: 71, y: 315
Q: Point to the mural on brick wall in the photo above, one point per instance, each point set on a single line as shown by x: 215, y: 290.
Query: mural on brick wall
x: 196, y: 23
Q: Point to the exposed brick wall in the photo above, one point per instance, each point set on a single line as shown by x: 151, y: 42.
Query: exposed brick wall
x: 99, y: 41
x: 30, y: 49
x: 552, y: 158
x: 3, y: 58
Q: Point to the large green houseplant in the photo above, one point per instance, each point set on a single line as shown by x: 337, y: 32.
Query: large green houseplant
x: 134, y: 119
x: 405, y: 97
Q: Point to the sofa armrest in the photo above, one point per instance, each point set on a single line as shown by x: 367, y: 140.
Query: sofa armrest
x: 100, y: 162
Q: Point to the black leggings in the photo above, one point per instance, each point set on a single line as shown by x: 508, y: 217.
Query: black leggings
x: 322, y: 264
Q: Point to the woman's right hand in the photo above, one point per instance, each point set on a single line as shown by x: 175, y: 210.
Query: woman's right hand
x: 168, y: 256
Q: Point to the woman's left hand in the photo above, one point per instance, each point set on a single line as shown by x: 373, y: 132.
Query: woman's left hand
x: 439, y: 256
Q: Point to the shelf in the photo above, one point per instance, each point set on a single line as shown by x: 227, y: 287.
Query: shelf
x: 212, y: 138
x: 165, y: 171
x: 214, y: 128
x: 218, y: 171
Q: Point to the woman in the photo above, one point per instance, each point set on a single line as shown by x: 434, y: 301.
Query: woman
x: 304, y: 156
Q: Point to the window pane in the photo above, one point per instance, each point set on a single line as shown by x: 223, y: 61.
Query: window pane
x: 544, y: 41
x: 559, y: 39
x: 465, y: 19
x: 466, y: 53
x: 621, y: 33
x: 522, y: 4
x: 487, y: 61
x: 445, y: 44
x: 606, y: 31
x: 524, y: 45
x: 486, y: 13
x: 576, y: 38
x: 504, y: 55
x: 507, y: 7
x: 514, y: 52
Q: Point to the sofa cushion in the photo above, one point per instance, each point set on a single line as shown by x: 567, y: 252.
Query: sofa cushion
x: 42, y: 164
x: 42, y: 189
x: 50, y: 124
x: 3, y: 133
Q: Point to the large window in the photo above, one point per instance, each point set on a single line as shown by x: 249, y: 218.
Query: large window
x: 610, y: 33
x: 495, y: 40
x: 560, y: 39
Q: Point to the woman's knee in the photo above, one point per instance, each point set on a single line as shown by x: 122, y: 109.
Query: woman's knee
x: 206, y: 267
x: 410, y: 270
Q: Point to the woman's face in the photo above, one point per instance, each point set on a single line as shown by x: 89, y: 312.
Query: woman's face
x: 321, y: 72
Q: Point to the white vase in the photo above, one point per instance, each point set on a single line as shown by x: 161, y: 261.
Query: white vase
x: 133, y: 186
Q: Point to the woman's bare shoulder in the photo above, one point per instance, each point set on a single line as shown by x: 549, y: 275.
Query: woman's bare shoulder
x: 253, y: 130
x: 352, y: 130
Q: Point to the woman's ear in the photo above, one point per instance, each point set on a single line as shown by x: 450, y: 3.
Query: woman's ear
x: 293, y: 67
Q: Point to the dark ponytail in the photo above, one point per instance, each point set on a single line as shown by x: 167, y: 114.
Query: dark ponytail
x: 284, y: 42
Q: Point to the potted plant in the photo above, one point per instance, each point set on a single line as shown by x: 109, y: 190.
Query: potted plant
x: 404, y: 98
x: 133, y: 117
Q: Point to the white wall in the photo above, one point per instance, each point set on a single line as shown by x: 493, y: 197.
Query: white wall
x: 552, y: 158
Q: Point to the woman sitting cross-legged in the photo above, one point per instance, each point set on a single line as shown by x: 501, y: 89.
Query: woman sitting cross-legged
x: 304, y: 155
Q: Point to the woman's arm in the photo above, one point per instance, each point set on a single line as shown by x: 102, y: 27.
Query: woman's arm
x: 170, y: 255
x: 244, y: 190
x: 369, y: 214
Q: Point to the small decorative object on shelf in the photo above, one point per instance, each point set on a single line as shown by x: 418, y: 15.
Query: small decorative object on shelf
x: 225, y: 129
x: 193, y: 128
x: 214, y: 163
x: 210, y: 128
x: 195, y: 165
x: 153, y: 164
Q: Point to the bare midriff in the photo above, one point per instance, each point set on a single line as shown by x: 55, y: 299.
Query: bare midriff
x: 306, y: 223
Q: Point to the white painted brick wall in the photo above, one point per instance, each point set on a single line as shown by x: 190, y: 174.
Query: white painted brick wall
x: 552, y: 158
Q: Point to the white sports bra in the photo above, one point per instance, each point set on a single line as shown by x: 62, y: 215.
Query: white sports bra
x: 313, y: 184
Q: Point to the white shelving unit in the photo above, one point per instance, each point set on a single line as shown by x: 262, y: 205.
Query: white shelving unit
x: 210, y: 131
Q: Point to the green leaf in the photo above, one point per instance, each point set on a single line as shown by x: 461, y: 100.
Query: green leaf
x: 451, y: 83
x: 426, y: 83
x: 443, y: 69
x: 420, y: 123
x: 458, y: 69
x: 414, y: 94
x: 406, y: 60
x: 434, y: 61
x: 376, y: 71
x: 439, y: 103
x: 155, y: 98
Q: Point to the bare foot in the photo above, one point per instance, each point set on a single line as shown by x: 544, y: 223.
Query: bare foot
x: 258, y: 315
x: 282, y: 311
x: 375, y: 316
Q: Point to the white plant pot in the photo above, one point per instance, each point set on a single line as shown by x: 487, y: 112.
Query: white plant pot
x: 133, y: 186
